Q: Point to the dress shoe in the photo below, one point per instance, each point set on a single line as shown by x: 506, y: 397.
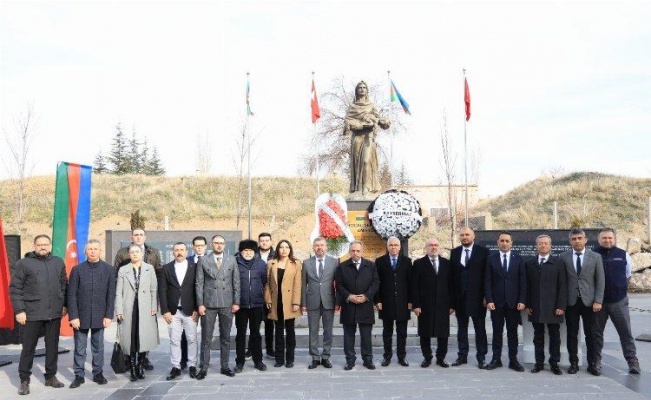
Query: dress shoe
x: 426, y: 363
x: 326, y: 363
x: 349, y: 366
x: 634, y: 367
x: 193, y: 372
x: 385, y: 362
x: 594, y: 369
x: 459, y: 361
x: 313, y: 364
x: 24, y: 388
x: 441, y: 363
x: 494, y: 364
x: 99, y: 379
x: 247, y: 354
x: 556, y: 370
x: 54, y: 382
x: 481, y: 364
x: 573, y: 369
x: 174, y: 373
x: 238, y: 368
x: 260, y: 366
x: 403, y: 362
x: 537, y: 368
x: 289, y: 364
x: 79, y: 380
x: 227, y: 371
x: 279, y: 364
x: 369, y: 364
x: 147, y: 365
x: 516, y: 366
x: 202, y: 374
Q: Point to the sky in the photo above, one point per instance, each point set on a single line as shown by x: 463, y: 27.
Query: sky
x: 556, y: 86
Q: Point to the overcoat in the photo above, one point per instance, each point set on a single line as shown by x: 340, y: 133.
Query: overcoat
x: 290, y: 289
x: 351, y: 281
x: 433, y: 294
x: 546, y: 290
x: 394, y: 288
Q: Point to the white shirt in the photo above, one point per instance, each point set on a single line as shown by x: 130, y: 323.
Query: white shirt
x: 196, y: 257
x: 541, y: 257
x: 181, y: 268
x: 264, y: 255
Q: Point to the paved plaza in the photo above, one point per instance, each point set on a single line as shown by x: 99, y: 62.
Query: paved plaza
x: 392, y: 382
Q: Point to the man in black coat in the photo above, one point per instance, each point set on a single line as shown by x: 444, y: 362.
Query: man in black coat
x: 38, y: 293
x: 546, y: 302
x: 357, y: 281
x: 506, y: 293
x: 178, y: 305
x: 433, y: 302
x: 392, y: 299
x: 91, y: 301
x: 468, y: 266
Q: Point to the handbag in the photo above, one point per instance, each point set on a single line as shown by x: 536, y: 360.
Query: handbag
x: 117, y: 358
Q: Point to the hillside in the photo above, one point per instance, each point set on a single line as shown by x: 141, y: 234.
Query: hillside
x: 284, y: 206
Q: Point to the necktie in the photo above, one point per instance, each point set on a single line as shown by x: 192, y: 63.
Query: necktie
x: 578, y: 263
x: 504, y: 264
x: 357, y: 265
x: 542, y: 261
x: 465, y: 261
x: 320, y: 273
x: 219, y: 263
x: 393, y: 263
x: 435, y: 265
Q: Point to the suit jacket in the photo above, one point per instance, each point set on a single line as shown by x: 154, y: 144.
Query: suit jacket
x: 170, y: 291
x: 590, y: 284
x: 351, y: 281
x: 433, y: 294
x: 318, y: 291
x: 290, y: 289
x: 469, y: 299
x: 91, y: 294
x: 394, y: 288
x: 506, y: 289
x: 546, y: 290
x: 218, y: 288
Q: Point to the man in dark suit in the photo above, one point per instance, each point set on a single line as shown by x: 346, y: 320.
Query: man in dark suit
x: 357, y: 282
x: 178, y: 304
x: 318, y: 294
x: 91, y: 301
x: 218, y: 295
x: 433, y: 303
x: 392, y: 299
x: 585, y: 295
x: 546, y: 302
x: 506, y: 293
x: 468, y: 265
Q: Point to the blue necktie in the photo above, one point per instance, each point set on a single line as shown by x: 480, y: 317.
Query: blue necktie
x: 504, y: 264
x: 393, y: 264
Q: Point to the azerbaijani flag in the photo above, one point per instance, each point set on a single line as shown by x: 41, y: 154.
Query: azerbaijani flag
x: 395, y: 96
x: 316, y: 111
x: 71, y: 218
x: 6, y: 309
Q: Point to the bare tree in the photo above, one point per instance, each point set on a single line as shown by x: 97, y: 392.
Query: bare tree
x: 19, y: 144
x: 242, y: 148
x: 448, y: 162
x: 204, y: 154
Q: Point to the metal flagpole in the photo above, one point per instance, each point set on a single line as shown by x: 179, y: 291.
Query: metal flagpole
x: 248, y: 138
x: 465, y: 153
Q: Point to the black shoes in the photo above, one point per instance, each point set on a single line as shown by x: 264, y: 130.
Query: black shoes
x: 174, y: 373
x: 227, y: 371
x: 54, y: 382
x: 193, y: 372
x: 147, y: 365
x: 79, y: 380
x: 459, y: 361
x: 537, y: 368
x: 573, y: 369
x: 202, y: 374
x: 99, y: 379
x: 634, y: 367
x: 385, y: 362
x: 516, y: 366
x: 426, y: 363
x: 271, y: 353
x: 594, y: 369
x: 238, y: 368
x: 494, y: 364
x: 369, y: 364
x: 556, y: 370
x: 289, y: 364
x: 184, y: 365
x: 326, y: 363
x: 403, y: 362
x: 313, y: 364
x: 349, y: 366
x: 278, y: 364
x: 441, y: 363
x: 24, y: 388
x: 260, y: 366
x: 481, y: 364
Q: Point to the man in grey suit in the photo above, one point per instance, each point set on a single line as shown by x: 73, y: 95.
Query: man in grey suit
x: 218, y: 295
x: 319, y: 300
x: 585, y: 286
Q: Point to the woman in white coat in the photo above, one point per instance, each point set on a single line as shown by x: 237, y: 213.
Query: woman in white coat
x: 136, y: 307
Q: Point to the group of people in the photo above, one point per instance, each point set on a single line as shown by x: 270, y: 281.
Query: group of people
x: 259, y: 285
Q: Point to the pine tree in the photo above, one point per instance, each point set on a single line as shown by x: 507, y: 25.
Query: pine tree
x: 135, y: 160
x: 119, y: 162
x: 155, y: 165
x: 99, y: 165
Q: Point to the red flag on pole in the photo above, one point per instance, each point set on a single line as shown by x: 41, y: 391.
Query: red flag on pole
x: 316, y: 111
x: 466, y: 98
x: 6, y: 309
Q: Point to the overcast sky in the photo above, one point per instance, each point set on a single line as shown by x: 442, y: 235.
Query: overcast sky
x: 555, y: 85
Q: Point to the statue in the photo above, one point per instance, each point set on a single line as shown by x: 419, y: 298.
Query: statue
x: 362, y: 122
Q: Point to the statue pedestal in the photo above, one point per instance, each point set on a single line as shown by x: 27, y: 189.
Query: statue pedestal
x: 528, y: 351
x: 360, y: 226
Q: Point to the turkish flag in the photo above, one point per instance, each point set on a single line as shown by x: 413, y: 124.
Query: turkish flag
x: 316, y: 111
x: 466, y: 98
x: 6, y: 309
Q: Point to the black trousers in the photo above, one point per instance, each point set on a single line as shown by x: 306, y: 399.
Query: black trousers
x: 268, y: 331
x: 554, y: 342
x: 29, y: 340
x: 285, y: 340
x: 481, y: 340
x: 184, y: 348
x: 441, y: 347
x: 401, y: 338
x: 573, y: 315
x: 251, y: 317
x: 365, y: 339
x: 498, y: 317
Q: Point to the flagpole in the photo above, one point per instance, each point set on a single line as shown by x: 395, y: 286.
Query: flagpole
x: 248, y: 138
x: 391, y: 136
x: 318, y: 184
x: 465, y: 157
